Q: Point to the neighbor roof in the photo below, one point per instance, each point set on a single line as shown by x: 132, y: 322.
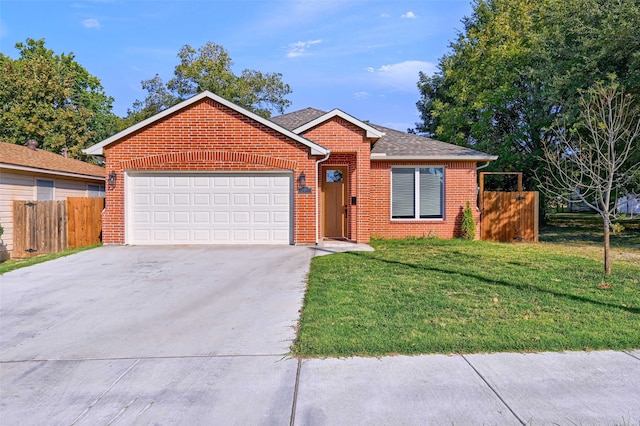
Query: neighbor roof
x: 392, y: 144
x: 19, y: 157
x: 97, y: 149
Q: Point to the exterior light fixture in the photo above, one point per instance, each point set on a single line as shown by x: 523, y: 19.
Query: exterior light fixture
x: 302, y: 184
x: 112, y: 179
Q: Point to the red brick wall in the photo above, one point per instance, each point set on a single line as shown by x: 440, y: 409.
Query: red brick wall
x: 349, y: 147
x: 460, y: 187
x: 208, y: 136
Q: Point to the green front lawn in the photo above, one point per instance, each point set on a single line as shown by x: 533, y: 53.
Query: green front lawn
x: 11, y: 264
x: 452, y: 296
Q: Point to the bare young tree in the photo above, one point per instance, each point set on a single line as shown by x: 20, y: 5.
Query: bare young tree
x: 596, y: 158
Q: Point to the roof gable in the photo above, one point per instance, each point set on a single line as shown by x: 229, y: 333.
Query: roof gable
x: 20, y: 157
x: 98, y: 149
x: 371, y: 132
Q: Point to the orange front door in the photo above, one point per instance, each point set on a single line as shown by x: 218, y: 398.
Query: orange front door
x: 334, y: 188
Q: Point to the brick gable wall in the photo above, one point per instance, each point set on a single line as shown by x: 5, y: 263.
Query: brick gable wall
x: 208, y: 137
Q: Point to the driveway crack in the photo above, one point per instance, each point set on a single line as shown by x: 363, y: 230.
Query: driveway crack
x: 495, y: 391
x: 86, y: 411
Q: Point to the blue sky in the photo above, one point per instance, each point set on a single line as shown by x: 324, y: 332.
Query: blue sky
x: 360, y: 56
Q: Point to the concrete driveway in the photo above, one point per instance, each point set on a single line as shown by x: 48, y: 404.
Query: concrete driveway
x: 152, y: 334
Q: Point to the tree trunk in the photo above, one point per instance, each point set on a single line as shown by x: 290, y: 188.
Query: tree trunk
x: 607, y: 248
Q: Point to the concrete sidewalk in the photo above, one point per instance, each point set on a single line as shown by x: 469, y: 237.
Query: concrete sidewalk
x: 583, y: 388
x: 573, y: 388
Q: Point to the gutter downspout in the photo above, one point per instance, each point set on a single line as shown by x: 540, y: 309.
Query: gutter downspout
x: 484, y: 165
x: 317, y: 196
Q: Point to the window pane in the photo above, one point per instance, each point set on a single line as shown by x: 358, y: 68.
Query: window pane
x: 96, y: 191
x: 44, y: 190
x: 334, y: 176
x: 431, y: 190
x: 403, y: 190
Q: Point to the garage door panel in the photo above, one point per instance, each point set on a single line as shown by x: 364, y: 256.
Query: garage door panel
x: 142, y: 199
x: 161, y: 217
x: 241, y: 235
x: 241, y: 199
x: 181, y: 235
x: 261, y: 199
x: 240, y: 182
x: 161, y: 182
x: 201, y: 217
x: 210, y: 209
x: 181, y: 217
x: 221, y: 218
x: 221, y: 199
x: 181, y: 199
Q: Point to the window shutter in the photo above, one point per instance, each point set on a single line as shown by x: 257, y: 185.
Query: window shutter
x: 430, y: 192
x: 403, y: 193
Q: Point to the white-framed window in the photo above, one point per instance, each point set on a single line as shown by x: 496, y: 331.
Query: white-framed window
x: 417, y: 192
x: 96, y: 191
x: 44, y: 190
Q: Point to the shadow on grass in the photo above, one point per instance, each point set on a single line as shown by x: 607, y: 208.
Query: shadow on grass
x: 501, y: 283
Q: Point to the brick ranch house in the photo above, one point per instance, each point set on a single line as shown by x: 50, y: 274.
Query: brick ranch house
x: 207, y: 171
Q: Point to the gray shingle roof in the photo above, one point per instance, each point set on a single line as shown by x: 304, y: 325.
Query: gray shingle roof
x: 394, y: 144
x: 295, y: 119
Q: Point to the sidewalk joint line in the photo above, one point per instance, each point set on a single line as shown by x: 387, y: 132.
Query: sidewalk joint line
x: 631, y: 355
x: 495, y: 391
x: 295, y: 394
x: 127, y: 358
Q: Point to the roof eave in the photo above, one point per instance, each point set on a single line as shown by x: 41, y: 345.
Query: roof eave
x: 384, y: 157
x: 98, y: 149
x: 50, y: 172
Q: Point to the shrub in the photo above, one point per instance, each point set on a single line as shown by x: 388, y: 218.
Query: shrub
x: 468, y: 230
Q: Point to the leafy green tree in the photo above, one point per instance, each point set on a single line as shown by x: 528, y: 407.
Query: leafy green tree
x: 486, y: 94
x: 209, y: 68
x: 518, y: 64
x: 52, y: 99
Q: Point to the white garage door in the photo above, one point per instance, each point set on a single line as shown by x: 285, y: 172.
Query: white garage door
x: 209, y: 208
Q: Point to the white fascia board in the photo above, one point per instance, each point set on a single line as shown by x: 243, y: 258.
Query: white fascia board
x: 50, y: 172
x: 384, y: 157
x: 97, y: 149
x: 371, y: 132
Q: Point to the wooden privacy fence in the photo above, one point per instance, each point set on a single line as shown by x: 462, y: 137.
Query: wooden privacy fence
x: 509, y: 216
x: 50, y: 226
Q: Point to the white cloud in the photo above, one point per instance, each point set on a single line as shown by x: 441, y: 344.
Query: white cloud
x: 300, y: 48
x: 409, y: 15
x: 385, y: 15
x: 361, y: 95
x: 402, y: 76
x: 4, y: 30
x: 91, y: 23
